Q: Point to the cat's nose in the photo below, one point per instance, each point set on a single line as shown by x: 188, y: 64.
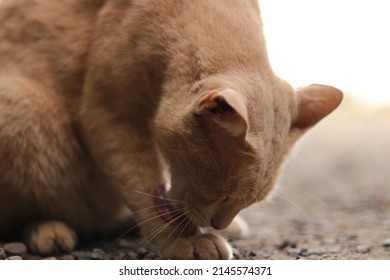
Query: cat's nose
x: 222, y: 219
x: 215, y: 224
x: 219, y: 223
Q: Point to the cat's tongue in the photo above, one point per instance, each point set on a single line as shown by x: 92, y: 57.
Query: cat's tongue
x: 165, y: 210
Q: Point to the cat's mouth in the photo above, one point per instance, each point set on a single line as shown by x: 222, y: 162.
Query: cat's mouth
x: 166, y: 211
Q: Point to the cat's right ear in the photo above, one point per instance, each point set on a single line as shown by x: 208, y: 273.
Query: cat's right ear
x: 225, y: 108
x: 314, y: 103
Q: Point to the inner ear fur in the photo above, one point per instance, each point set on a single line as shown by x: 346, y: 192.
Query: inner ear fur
x: 226, y: 108
x: 314, y: 103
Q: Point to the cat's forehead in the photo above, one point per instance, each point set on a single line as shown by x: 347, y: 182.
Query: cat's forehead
x: 234, y: 82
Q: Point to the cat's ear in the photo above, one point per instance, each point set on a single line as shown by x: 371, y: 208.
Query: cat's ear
x: 226, y: 108
x: 314, y: 103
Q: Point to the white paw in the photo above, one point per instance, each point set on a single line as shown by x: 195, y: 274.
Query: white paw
x: 203, y: 247
x: 50, y: 237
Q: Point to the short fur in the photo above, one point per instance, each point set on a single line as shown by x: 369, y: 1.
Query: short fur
x: 100, y: 98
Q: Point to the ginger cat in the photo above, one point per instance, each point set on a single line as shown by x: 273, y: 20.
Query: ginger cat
x: 100, y: 98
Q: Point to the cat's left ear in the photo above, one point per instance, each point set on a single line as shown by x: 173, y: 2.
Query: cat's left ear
x: 225, y: 107
x: 314, y: 103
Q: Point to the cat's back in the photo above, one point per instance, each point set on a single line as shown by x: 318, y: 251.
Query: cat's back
x: 46, y: 40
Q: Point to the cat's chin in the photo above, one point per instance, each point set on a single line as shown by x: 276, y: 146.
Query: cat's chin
x: 170, y: 214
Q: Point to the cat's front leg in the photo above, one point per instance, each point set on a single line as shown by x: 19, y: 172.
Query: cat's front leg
x: 134, y: 165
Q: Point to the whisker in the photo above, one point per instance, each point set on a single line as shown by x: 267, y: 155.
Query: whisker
x: 243, y: 197
x: 253, y: 196
x: 137, y: 225
x: 151, y: 216
x: 177, y: 227
x: 155, y: 196
x: 269, y: 199
x: 273, y: 203
x: 298, y: 207
x: 154, y: 206
x: 312, y: 197
x: 161, y: 228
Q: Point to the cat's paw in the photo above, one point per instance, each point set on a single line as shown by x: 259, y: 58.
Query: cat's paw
x: 204, y: 247
x: 50, y: 237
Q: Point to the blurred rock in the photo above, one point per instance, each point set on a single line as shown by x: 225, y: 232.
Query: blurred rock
x: 15, y: 258
x: 386, y: 243
x: 363, y: 249
x: 66, y: 257
x: 15, y: 248
x: 3, y: 255
x: 82, y: 255
x: 99, y: 254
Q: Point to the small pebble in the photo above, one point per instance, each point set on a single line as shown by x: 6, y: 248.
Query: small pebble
x: 334, y: 249
x: 315, y: 251
x: 127, y: 244
x: 80, y: 255
x: 252, y: 254
x: 15, y: 258
x: 310, y: 252
x: 363, y: 249
x: 303, y: 253
x: 287, y: 243
x: 142, y: 252
x: 148, y: 257
x: 99, y: 254
x: 132, y: 256
x: 293, y: 251
x: 386, y: 243
x: 3, y: 255
x: 266, y: 251
x: 15, y: 248
x: 67, y: 257
x: 118, y: 255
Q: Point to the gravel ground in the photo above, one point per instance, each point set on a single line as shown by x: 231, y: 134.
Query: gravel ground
x: 333, y: 201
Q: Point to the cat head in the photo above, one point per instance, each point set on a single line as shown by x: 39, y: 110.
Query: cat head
x: 225, y: 141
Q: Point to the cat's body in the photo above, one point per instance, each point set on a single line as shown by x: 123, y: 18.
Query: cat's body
x: 97, y: 97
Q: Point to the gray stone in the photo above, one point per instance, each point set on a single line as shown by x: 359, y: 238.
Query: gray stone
x: 333, y: 249
x: 127, y: 244
x: 386, y: 243
x: 3, y: 255
x: 15, y: 248
x: 363, y: 249
x: 293, y: 251
x: 15, y: 258
x: 81, y: 255
x: 311, y: 251
x: 132, y: 255
x: 142, y: 252
x: 99, y: 254
x: 315, y: 251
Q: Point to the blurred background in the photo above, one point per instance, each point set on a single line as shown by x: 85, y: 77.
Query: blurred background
x: 339, y: 42
x: 333, y: 197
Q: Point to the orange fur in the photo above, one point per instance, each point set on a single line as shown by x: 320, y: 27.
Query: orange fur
x: 99, y: 98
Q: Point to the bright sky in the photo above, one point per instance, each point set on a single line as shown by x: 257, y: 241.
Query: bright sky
x: 343, y: 43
